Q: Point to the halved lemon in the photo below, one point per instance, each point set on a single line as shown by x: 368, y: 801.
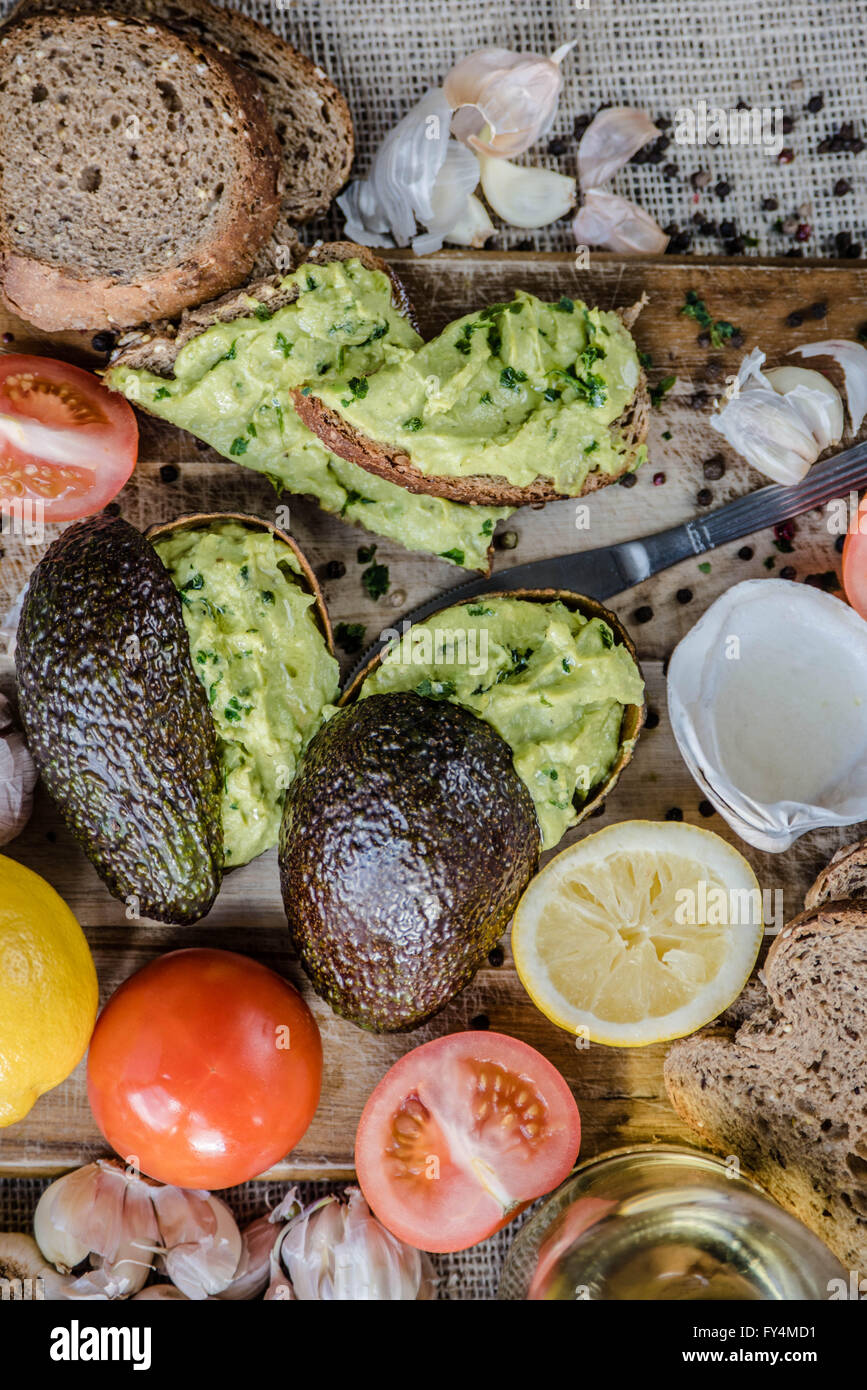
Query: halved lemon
x: 642, y: 932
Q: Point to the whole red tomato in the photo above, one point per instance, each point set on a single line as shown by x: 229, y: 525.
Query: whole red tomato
x: 204, y: 1068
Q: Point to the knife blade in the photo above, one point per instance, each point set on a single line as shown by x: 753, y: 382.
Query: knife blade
x: 611, y: 569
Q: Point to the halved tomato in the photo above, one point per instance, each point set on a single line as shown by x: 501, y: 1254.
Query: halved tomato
x: 67, y: 443
x: 460, y: 1135
x: 855, y: 563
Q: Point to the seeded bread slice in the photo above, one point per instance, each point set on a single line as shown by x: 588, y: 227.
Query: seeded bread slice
x: 345, y: 441
x: 844, y: 877
x: 155, y: 348
x: 309, y: 114
x: 138, y: 171
x: 785, y: 1088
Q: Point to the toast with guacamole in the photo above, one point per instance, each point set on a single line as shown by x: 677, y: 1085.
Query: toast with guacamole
x: 516, y: 403
x: 225, y: 372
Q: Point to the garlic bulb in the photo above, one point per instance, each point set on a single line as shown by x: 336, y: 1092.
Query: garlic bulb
x: 473, y: 226
x: 780, y: 434
x: 23, y: 1266
x: 384, y: 208
x: 607, y: 220
x: 610, y: 141
x: 202, y: 1245
x: 337, y: 1250
x: 852, y: 357
x: 514, y: 95
x: 526, y: 197
x: 104, y: 1214
x: 817, y: 399
x: 119, y: 1222
x: 17, y: 777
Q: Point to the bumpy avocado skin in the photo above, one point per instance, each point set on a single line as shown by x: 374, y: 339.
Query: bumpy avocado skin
x: 407, y: 839
x: 117, y: 722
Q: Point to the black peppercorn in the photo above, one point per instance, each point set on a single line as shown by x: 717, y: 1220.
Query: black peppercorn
x: 714, y: 467
x: 704, y: 497
x: 168, y: 473
x: 643, y: 614
x: 651, y: 720
x: 674, y: 813
x: 335, y: 569
x: 746, y: 552
x: 684, y: 595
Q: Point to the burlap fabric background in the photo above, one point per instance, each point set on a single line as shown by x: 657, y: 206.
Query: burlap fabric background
x: 658, y: 54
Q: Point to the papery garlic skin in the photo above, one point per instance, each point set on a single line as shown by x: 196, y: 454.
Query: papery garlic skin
x: 781, y: 435
x: 852, y: 357
x: 21, y: 1259
x: 339, y: 1251
x: 607, y: 220
x: 525, y: 196
x: 610, y: 141
x: 514, y: 95
x: 17, y: 777
x: 458, y: 176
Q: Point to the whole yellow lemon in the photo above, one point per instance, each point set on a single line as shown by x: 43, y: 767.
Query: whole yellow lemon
x: 48, y: 990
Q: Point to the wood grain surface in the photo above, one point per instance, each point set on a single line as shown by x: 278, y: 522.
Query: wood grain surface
x: 619, y: 1091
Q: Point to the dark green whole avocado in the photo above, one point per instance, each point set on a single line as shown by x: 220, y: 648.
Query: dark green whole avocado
x: 407, y: 839
x: 117, y: 722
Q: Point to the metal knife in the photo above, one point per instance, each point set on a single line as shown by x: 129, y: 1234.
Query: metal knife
x: 611, y: 569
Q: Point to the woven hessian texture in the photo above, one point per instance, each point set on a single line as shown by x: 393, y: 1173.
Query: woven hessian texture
x: 657, y: 54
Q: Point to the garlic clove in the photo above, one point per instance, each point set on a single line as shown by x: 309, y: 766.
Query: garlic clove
x: 607, y: 220
x: 161, y: 1292
x: 768, y: 432
x: 515, y: 95
x: 23, y: 1266
x: 473, y: 226
x: 204, y: 1264
x: 852, y: 357
x: 66, y: 1204
x: 254, y: 1267
x: 610, y: 141
x: 816, y: 399
x: 526, y: 197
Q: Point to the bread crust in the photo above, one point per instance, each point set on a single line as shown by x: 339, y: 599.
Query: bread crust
x: 482, y: 489
x: 55, y: 298
x: 846, y: 870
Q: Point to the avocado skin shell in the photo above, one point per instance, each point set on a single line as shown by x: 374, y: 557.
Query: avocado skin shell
x: 406, y: 842
x: 117, y: 721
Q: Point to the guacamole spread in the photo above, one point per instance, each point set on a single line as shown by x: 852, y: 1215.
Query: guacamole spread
x: 263, y: 661
x: 231, y: 388
x: 518, y: 390
x: 551, y: 682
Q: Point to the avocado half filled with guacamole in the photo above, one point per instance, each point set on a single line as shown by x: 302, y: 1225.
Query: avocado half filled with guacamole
x: 167, y: 710
x: 560, y: 685
x: 261, y: 649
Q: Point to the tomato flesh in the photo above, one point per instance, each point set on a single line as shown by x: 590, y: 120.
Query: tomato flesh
x: 460, y: 1135
x: 204, y: 1068
x: 855, y: 562
x: 67, y: 443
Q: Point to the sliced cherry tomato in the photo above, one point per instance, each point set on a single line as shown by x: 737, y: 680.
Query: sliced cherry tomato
x: 855, y: 563
x: 204, y: 1068
x: 67, y: 443
x: 460, y: 1135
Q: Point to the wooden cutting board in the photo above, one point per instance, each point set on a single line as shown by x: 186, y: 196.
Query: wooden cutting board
x: 620, y: 1091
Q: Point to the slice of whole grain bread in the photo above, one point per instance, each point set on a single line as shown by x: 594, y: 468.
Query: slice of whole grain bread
x: 309, y: 114
x: 345, y: 441
x: 156, y: 347
x: 138, y: 171
x: 844, y: 877
x: 784, y: 1085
